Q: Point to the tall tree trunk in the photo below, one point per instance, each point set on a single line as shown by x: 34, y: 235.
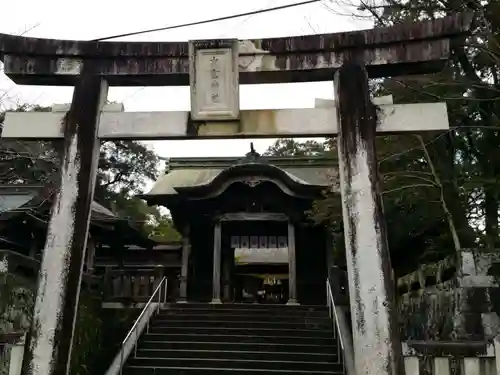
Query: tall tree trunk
x: 442, y: 154
x: 444, y: 204
x: 490, y: 160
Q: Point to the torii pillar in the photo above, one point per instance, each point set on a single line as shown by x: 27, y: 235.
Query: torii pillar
x: 377, y: 347
x: 50, y: 339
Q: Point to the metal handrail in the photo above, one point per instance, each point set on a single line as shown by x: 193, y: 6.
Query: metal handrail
x: 158, y: 289
x: 340, y: 329
x: 332, y: 307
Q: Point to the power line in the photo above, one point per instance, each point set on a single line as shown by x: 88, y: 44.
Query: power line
x: 208, y: 21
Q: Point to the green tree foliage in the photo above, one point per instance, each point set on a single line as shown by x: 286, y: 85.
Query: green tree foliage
x: 27, y: 162
x: 440, y: 190
x: 164, y: 230
x: 290, y: 147
x: 467, y: 158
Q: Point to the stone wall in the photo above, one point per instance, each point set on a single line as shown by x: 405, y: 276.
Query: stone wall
x: 16, y: 304
x: 426, y: 302
x: 4, y: 359
x: 455, y: 299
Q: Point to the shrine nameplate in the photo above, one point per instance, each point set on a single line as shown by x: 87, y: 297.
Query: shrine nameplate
x: 214, y: 80
x: 254, y: 242
x: 263, y: 242
x: 282, y: 242
x: 235, y: 242
x: 245, y: 242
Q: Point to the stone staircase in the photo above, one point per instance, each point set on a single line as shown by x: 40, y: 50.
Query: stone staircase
x: 237, y: 339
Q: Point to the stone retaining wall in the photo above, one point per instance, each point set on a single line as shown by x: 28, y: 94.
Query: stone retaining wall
x: 455, y: 299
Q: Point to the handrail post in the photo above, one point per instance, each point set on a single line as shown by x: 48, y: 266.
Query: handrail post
x: 165, y: 292
x: 135, y: 346
x: 159, y: 298
x: 340, y: 332
x: 120, y: 358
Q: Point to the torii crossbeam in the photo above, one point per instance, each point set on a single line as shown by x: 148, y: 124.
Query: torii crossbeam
x: 91, y: 66
x: 391, y: 51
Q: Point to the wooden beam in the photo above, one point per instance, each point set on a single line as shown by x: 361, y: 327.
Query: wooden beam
x: 253, y: 216
x: 217, y: 254
x: 292, y: 266
x: 402, y: 49
x: 331, y: 103
x: 186, y: 250
x: 309, y: 122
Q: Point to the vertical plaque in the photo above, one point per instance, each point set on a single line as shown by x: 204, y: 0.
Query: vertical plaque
x: 273, y: 242
x: 244, y: 242
x: 214, y: 79
x: 263, y: 242
x: 282, y: 242
x: 254, y: 242
x: 235, y: 242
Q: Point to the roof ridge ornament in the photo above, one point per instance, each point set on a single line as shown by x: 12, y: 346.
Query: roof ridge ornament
x: 252, y: 156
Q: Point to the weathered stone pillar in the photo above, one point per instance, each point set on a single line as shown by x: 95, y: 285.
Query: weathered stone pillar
x: 186, y: 250
x: 217, y: 264
x: 292, y: 266
x: 15, y: 354
x: 50, y: 337
x: 376, y: 344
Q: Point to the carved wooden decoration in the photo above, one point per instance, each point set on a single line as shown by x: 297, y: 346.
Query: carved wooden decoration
x: 252, y: 181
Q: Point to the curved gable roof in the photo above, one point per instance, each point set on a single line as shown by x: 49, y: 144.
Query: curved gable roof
x: 32, y: 199
x: 27, y: 198
x: 190, y: 174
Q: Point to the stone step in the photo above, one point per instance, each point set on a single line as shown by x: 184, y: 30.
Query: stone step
x: 231, y: 363
x: 307, y: 324
x: 246, y: 306
x: 255, y: 355
x: 263, y: 332
x: 243, y: 338
x: 239, y: 346
x: 237, y: 339
x: 144, y: 370
x: 239, y: 317
x: 261, y: 313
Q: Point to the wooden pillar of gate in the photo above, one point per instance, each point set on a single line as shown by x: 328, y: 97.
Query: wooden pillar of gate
x: 216, y: 276
x: 50, y: 336
x: 292, y: 266
x: 186, y: 250
x: 376, y: 343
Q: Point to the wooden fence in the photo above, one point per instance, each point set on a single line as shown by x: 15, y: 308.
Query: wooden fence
x: 135, y: 285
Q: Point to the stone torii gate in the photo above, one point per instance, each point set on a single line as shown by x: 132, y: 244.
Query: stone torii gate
x: 214, y: 69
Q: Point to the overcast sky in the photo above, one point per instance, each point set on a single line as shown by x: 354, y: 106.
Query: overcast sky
x: 92, y: 19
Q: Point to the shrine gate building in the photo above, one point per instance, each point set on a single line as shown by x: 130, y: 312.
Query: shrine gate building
x: 247, y: 232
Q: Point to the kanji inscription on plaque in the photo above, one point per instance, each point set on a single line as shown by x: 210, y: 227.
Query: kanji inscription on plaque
x: 213, y: 71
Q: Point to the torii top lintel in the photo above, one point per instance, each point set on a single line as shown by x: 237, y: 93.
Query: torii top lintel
x: 399, y: 50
